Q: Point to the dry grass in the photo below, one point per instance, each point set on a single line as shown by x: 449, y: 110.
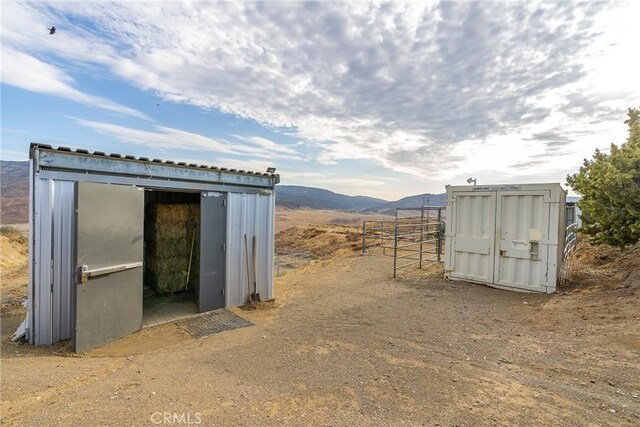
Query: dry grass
x: 321, y: 241
x: 603, y: 266
x: 13, y: 248
x: 287, y: 218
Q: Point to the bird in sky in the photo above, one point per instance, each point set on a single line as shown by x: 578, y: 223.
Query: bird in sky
x: 52, y: 30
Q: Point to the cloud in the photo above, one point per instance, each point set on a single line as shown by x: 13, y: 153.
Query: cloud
x: 29, y: 73
x: 355, y: 182
x: 167, y: 138
x: 266, y: 145
x: 14, y: 155
x: 420, y: 87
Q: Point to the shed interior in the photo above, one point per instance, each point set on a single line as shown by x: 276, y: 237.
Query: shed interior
x: 171, y: 255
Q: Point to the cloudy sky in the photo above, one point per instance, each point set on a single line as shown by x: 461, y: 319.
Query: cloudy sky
x: 379, y: 98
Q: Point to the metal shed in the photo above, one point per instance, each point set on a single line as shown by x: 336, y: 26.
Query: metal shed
x: 87, y: 243
x: 506, y: 236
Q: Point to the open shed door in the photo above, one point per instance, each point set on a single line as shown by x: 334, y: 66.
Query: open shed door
x: 109, y: 254
x: 213, y: 257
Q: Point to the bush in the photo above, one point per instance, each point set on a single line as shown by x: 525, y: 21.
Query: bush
x: 610, y: 189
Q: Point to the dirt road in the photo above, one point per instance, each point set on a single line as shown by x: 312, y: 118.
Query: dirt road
x: 347, y: 345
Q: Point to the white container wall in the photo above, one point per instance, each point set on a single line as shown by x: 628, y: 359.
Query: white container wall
x: 506, y: 236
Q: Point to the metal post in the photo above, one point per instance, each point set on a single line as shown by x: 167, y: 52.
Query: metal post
x: 395, y: 246
x: 395, y: 250
x: 439, y: 241
x: 364, y: 247
x: 421, y: 233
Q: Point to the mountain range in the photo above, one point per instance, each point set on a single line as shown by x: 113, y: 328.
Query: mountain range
x: 296, y: 197
x: 14, y: 191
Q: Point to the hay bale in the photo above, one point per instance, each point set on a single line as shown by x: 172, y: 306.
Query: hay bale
x: 169, y: 233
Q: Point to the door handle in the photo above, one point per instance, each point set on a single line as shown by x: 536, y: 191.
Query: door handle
x: 85, y: 274
x: 533, y: 250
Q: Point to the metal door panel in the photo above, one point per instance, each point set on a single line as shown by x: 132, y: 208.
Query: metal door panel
x: 474, y: 245
x: 110, y: 225
x: 213, y: 235
x: 473, y: 236
x: 523, y: 227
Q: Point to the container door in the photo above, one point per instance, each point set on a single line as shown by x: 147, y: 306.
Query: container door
x: 473, y: 237
x: 213, y: 259
x: 522, y: 236
x: 109, y: 252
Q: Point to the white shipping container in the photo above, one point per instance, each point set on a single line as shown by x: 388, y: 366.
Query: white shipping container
x: 505, y: 236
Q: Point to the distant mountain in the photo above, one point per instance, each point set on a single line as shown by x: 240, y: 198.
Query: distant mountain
x: 14, y: 182
x: 295, y: 196
x: 14, y: 190
x: 427, y: 199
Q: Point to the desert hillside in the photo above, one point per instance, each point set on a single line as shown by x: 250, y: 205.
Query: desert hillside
x: 14, y: 192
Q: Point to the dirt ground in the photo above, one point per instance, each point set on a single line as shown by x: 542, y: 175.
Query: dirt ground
x: 320, y: 241
x: 287, y: 218
x: 345, y: 344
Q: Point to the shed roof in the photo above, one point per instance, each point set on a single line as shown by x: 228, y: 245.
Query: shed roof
x: 82, y: 160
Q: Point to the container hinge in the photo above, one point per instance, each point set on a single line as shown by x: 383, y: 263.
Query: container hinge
x: 224, y: 247
x: 224, y: 202
x: 222, y: 291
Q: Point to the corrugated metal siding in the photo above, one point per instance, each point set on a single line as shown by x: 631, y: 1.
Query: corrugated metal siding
x: 63, y: 243
x: 52, y: 243
x: 518, y: 215
x: 42, y: 262
x: 250, y: 214
x: 471, y: 236
x: 29, y: 329
x: 52, y: 261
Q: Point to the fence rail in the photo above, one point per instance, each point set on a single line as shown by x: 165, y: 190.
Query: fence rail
x: 287, y: 262
x: 410, y: 240
x: 570, y: 242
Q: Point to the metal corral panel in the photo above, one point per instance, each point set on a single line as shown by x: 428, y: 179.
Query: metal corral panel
x: 507, y: 236
x: 253, y: 215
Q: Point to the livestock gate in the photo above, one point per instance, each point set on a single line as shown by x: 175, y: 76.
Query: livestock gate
x: 414, y: 236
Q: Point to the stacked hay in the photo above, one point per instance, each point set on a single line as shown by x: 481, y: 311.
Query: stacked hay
x: 169, y: 233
